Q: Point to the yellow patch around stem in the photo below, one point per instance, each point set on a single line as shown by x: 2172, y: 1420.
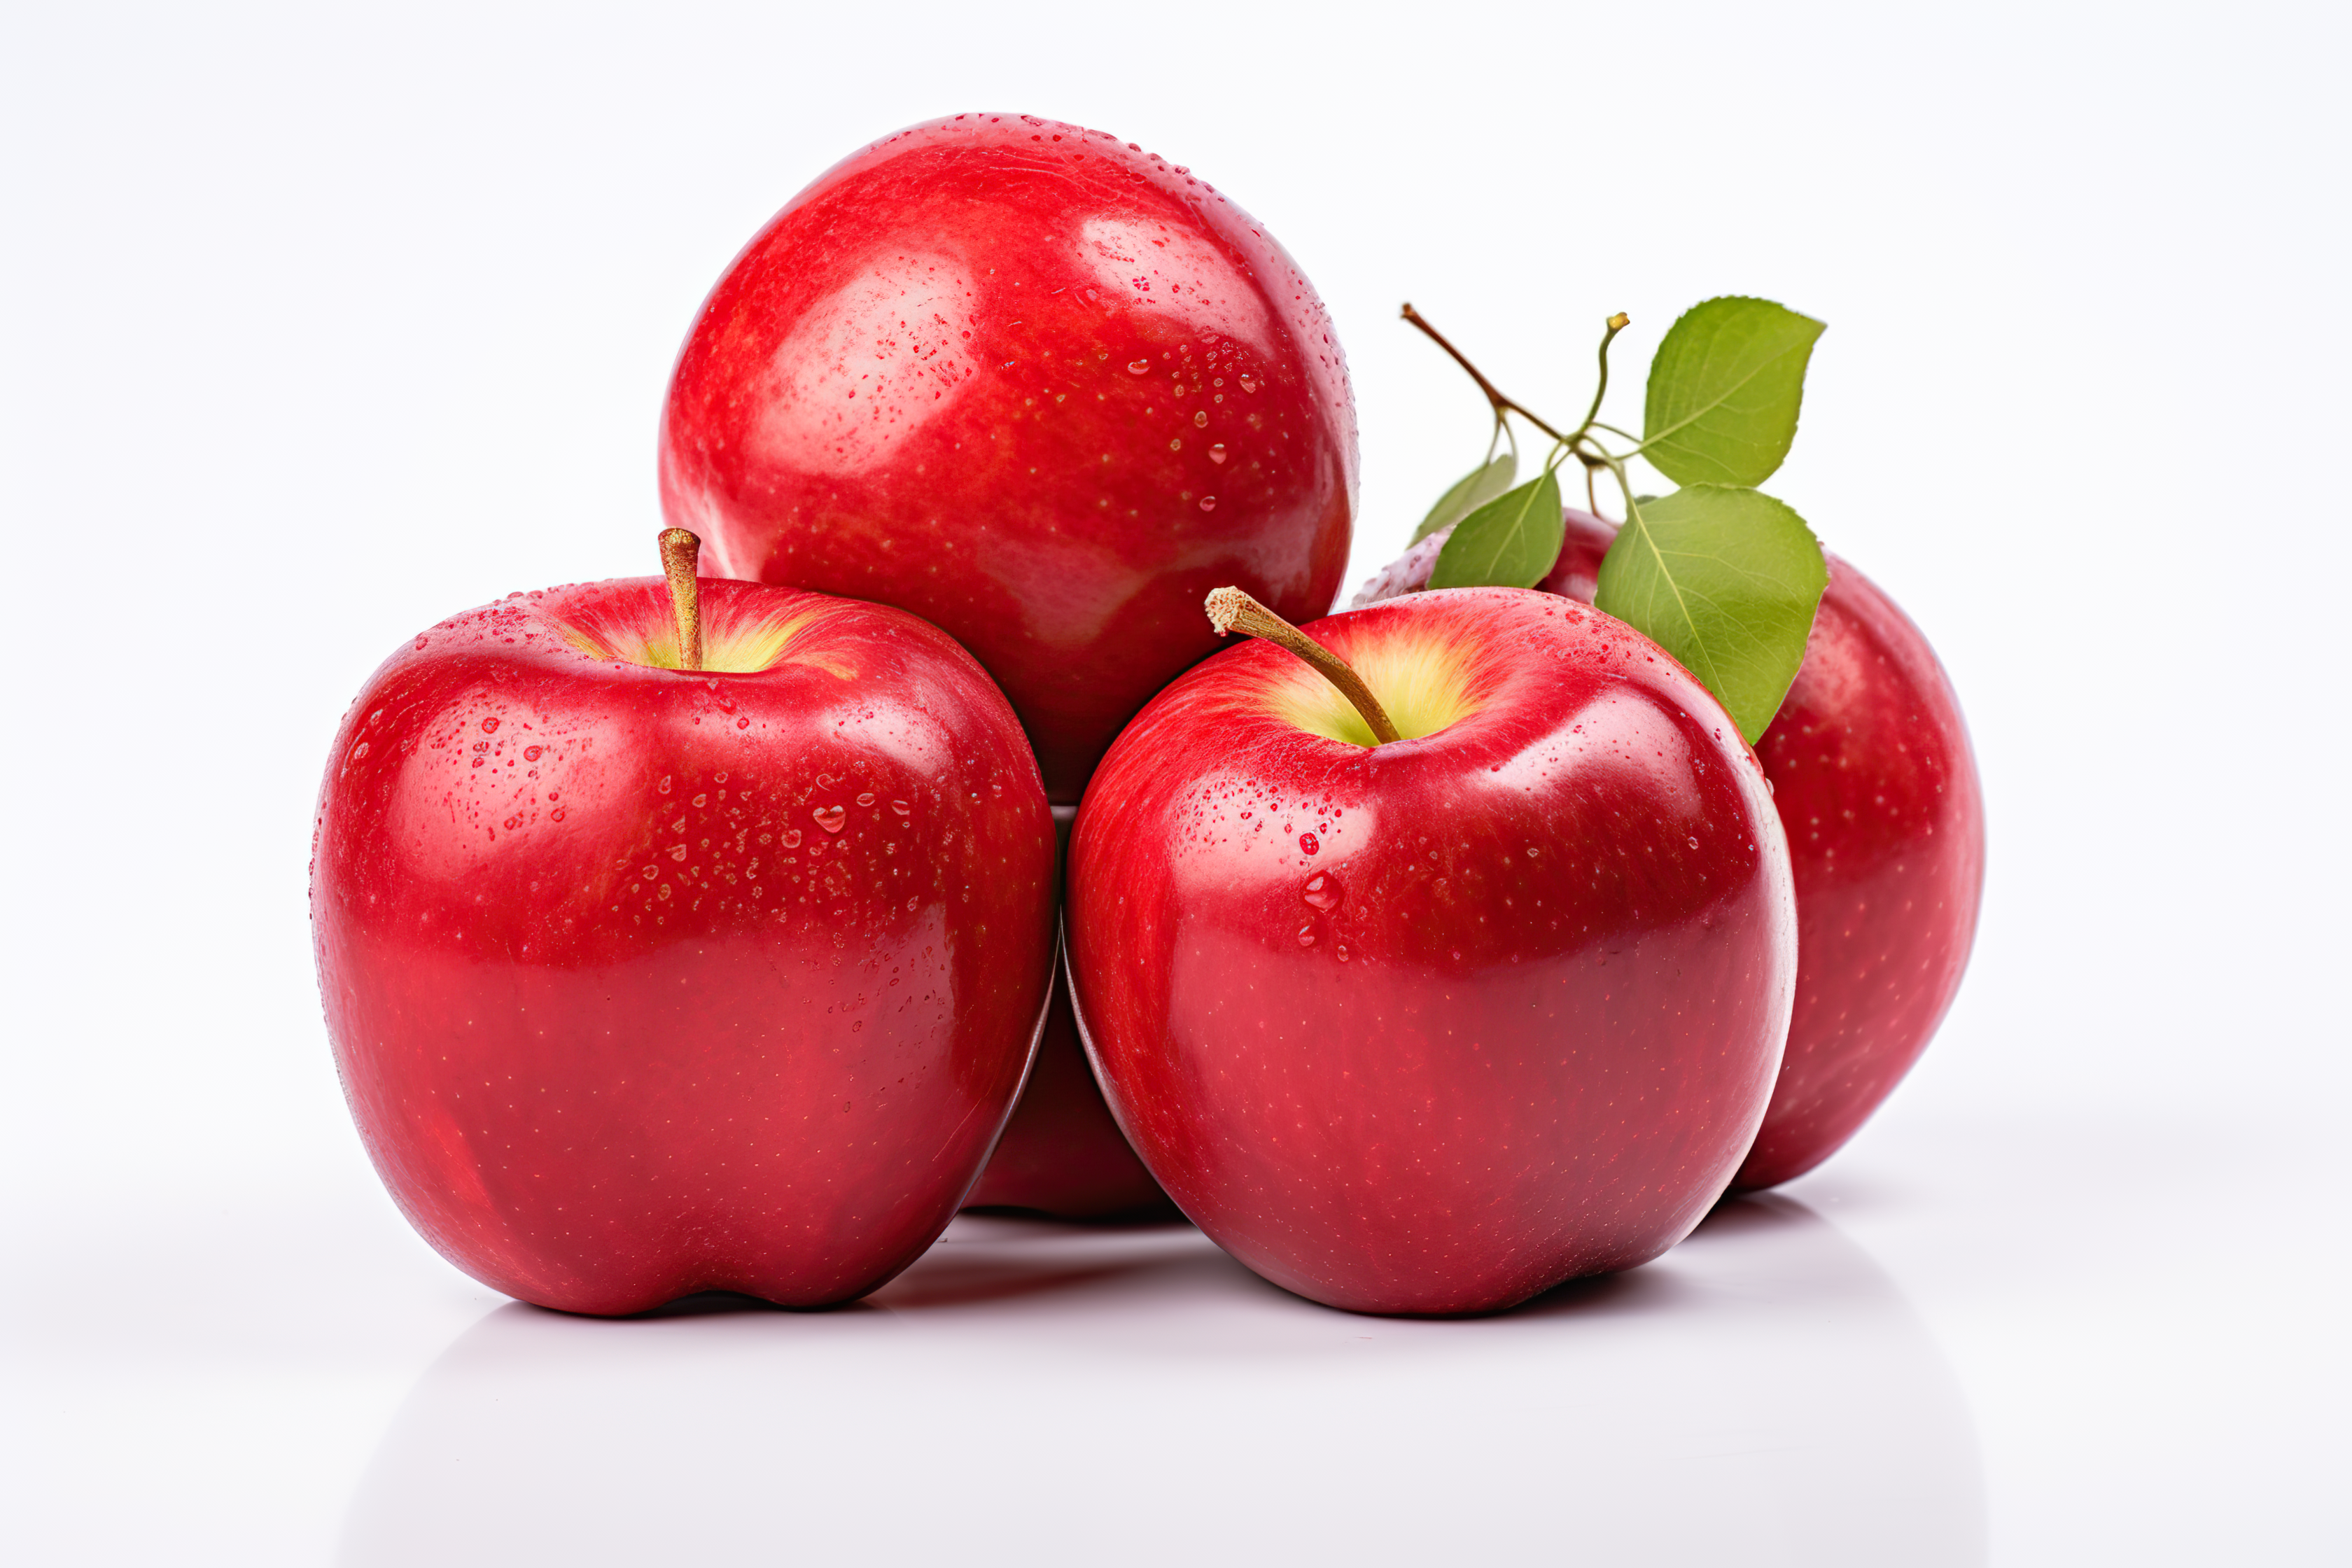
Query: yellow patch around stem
x: 1424, y: 687
x: 732, y: 643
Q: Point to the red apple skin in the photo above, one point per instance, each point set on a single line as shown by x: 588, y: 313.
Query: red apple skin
x: 1877, y: 788
x: 1533, y: 1033
x: 1062, y: 1154
x: 1035, y: 386
x: 620, y: 1017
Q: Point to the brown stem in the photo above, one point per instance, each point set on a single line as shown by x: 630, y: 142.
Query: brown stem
x: 679, y: 550
x: 1493, y: 395
x: 1231, y: 610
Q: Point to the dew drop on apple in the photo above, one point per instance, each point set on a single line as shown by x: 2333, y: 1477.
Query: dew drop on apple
x: 1306, y: 936
x: 1322, y: 891
x: 866, y: 798
x: 1208, y: 503
x: 1134, y: 366
x: 1309, y: 843
x: 901, y: 807
x: 1249, y: 383
x: 830, y: 818
x: 791, y: 837
x: 1217, y: 452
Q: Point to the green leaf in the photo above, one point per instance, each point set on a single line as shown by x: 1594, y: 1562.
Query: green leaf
x: 1724, y: 390
x: 1727, y: 580
x: 1509, y: 543
x: 1471, y: 491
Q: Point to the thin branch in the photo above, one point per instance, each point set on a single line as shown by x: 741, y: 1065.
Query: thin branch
x: 1493, y: 396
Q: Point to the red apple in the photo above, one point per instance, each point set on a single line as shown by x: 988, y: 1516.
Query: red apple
x: 1062, y: 1154
x: 644, y: 981
x: 1874, y: 781
x: 1035, y: 384
x: 1431, y: 1025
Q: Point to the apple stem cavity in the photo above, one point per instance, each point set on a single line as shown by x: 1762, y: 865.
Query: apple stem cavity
x: 1231, y: 610
x: 679, y: 551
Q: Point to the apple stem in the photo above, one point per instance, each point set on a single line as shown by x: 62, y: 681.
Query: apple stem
x: 679, y: 551
x: 1579, y: 446
x: 1493, y: 395
x: 1231, y: 610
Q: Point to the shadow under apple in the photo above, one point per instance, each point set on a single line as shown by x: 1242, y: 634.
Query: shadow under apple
x: 1039, y: 1393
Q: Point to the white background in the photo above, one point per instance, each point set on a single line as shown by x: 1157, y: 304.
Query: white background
x: 318, y: 328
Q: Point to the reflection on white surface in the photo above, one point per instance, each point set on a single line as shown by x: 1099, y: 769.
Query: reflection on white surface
x: 1048, y: 1394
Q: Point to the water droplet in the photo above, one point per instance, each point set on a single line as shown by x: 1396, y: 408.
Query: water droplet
x: 359, y: 751
x: 677, y: 852
x: 663, y: 787
x: 1249, y: 383
x: 1310, y: 842
x: 1217, y: 453
x: 489, y: 726
x: 1201, y: 420
x: 702, y: 800
x: 830, y: 818
x: 901, y: 807
x: 1177, y: 445
x: 1343, y: 952
x: 743, y: 724
x: 556, y: 815
x: 532, y: 753
x: 1134, y: 366
x: 1208, y: 503
x: 865, y: 799
x: 791, y: 837
x: 1322, y: 891
x: 1306, y: 936
x: 1693, y: 843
